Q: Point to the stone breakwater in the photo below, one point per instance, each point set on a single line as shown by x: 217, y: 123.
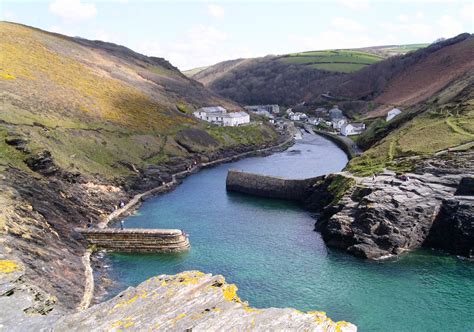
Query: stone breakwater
x: 269, y: 186
x: 192, y: 301
x: 136, y: 240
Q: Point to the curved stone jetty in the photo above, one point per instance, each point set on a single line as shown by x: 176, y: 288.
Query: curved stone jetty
x: 136, y: 239
x: 269, y: 186
x: 192, y: 301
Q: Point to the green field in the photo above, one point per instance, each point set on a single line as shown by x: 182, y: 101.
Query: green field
x: 346, y: 61
x: 194, y: 71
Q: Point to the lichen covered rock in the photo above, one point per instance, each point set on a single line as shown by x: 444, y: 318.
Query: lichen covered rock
x: 192, y: 300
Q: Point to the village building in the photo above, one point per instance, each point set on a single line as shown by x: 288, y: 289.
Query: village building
x: 349, y: 129
x: 337, y: 123
x: 272, y: 109
x: 320, y: 112
x: 219, y: 116
x: 313, y: 121
x: 335, y: 113
x: 393, y: 113
x: 263, y: 113
x: 295, y: 117
x: 298, y: 116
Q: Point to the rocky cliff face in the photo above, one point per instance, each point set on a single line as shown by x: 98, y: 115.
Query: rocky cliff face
x: 192, y: 301
x: 386, y: 215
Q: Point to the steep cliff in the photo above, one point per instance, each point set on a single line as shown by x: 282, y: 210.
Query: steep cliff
x: 83, y: 125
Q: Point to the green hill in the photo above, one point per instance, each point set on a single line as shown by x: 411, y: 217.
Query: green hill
x: 345, y: 61
x: 83, y: 125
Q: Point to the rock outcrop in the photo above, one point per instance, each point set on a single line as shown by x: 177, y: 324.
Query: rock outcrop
x: 387, y: 215
x: 192, y: 301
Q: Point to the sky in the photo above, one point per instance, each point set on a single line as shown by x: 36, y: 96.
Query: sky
x: 199, y: 33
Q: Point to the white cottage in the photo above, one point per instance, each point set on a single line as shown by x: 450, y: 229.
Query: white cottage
x: 218, y: 115
x: 349, y: 129
x: 393, y: 113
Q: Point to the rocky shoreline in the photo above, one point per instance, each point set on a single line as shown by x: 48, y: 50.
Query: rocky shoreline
x: 387, y: 215
x: 44, y: 211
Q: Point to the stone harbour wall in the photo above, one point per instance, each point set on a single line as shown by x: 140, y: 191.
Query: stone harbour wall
x: 136, y: 240
x: 269, y: 186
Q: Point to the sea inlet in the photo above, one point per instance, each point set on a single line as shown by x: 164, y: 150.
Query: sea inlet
x: 269, y: 249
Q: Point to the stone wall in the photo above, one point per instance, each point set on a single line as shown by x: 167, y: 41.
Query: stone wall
x: 269, y: 186
x: 136, y: 240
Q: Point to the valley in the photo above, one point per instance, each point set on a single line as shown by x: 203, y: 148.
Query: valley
x: 86, y: 125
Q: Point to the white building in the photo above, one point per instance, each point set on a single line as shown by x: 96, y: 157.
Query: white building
x: 313, y: 121
x: 275, y: 109
x: 338, y: 122
x: 236, y: 119
x: 393, y: 113
x: 218, y: 115
x: 349, y: 129
x: 297, y: 116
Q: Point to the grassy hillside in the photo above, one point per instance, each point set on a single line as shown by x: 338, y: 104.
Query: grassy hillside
x: 97, y: 107
x: 292, y: 78
x: 345, y: 61
x: 444, y: 121
x: 83, y: 125
x: 194, y: 71
x: 392, y: 50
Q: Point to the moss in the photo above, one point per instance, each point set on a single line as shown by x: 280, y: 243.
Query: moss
x: 339, y: 186
x: 9, y: 266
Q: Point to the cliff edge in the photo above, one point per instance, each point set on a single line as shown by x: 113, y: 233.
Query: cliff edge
x: 192, y: 301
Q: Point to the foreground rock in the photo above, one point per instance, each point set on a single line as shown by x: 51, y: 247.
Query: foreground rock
x: 385, y: 215
x: 192, y: 301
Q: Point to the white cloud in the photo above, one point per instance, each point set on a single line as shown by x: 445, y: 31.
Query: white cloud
x: 8, y: 15
x: 450, y: 27
x: 73, y: 9
x: 356, y: 4
x: 346, y: 24
x: 467, y: 13
x: 197, y: 47
x: 402, y: 18
x: 216, y: 11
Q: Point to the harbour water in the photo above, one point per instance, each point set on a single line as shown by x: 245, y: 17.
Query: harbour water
x: 269, y: 249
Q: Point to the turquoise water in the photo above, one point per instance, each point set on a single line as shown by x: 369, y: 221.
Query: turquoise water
x: 269, y: 249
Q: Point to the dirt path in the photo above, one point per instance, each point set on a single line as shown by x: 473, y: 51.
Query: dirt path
x: 139, y: 197
x: 89, y: 286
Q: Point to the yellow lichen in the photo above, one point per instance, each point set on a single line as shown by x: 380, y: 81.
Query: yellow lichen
x: 341, y: 324
x: 7, y: 76
x: 8, y: 266
x: 124, y: 303
x: 125, y: 323
x: 230, y: 292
